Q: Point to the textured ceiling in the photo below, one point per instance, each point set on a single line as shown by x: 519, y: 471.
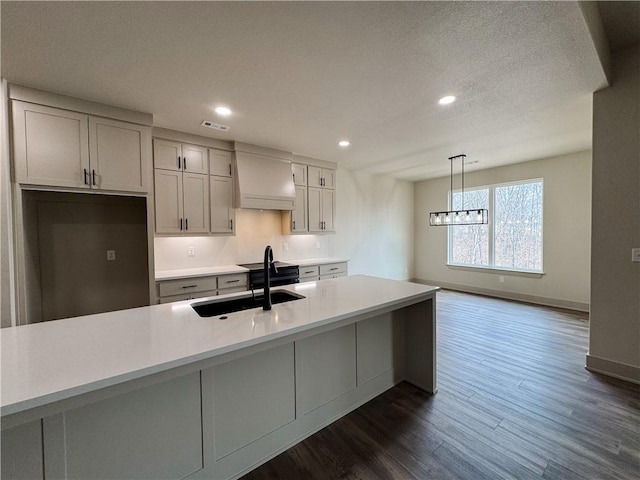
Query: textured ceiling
x: 300, y: 76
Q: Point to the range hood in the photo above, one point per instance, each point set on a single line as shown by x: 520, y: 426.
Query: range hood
x: 264, y: 181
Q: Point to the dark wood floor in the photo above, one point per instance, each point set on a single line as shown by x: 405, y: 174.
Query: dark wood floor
x: 514, y: 401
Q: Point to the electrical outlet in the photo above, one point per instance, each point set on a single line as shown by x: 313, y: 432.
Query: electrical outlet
x: 501, y: 279
x: 111, y: 254
x: 191, y: 251
x: 318, y: 245
x: 285, y: 247
x: 635, y: 254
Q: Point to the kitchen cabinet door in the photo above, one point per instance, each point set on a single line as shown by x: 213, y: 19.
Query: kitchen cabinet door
x: 167, y: 154
x: 196, y: 203
x: 195, y: 159
x: 168, y: 201
x: 328, y: 210
x: 315, y: 209
x: 222, y: 211
x: 51, y: 146
x: 119, y: 154
x: 321, y: 177
x: 322, y: 207
x: 299, y: 213
x: 299, y: 174
x: 220, y: 163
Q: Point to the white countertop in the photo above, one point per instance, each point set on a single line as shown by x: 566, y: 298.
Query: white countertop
x: 198, y: 272
x: 50, y: 361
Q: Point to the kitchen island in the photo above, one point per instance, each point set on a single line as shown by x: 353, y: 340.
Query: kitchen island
x: 159, y: 392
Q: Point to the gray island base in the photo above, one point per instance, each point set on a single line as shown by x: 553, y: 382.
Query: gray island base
x: 158, y: 392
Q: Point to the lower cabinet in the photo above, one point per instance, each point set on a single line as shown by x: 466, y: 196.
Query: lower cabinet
x: 200, y: 287
x: 310, y: 273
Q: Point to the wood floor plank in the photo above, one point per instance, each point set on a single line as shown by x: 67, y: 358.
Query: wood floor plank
x: 514, y: 401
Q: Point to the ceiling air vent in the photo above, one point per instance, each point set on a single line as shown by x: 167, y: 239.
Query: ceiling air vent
x: 214, y: 125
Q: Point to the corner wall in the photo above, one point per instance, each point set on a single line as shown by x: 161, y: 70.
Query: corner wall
x: 375, y: 228
x: 566, y: 227
x: 614, y: 335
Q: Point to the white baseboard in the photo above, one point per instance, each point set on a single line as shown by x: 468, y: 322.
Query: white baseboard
x: 623, y: 371
x: 521, y: 297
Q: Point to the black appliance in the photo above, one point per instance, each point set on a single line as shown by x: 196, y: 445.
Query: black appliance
x: 286, y: 274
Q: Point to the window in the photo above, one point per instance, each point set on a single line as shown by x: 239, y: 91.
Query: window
x: 513, y: 238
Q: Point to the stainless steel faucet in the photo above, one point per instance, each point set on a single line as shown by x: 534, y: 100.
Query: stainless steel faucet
x: 268, y: 264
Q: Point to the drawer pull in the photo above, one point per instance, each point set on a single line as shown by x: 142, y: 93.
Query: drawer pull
x: 233, y: 281
x: 310, y: 271
x: 334, y: 268
x: 190, y: 286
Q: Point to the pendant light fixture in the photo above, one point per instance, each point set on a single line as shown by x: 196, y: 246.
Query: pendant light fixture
x: 465, y: 216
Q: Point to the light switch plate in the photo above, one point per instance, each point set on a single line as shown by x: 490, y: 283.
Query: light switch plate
x: 635, y: 254
x: 111, y: 254
x: 191, y: 251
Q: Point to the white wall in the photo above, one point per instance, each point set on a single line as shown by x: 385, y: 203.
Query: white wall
x: 566, y: 227
x: 614, y: 334
x: 374, y: 223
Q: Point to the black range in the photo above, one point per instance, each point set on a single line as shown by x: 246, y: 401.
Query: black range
x: 286, y: 274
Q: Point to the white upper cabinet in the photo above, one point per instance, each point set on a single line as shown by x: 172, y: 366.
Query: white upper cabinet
x: 61, y: 148
x: 195, y: 192
x: 168, y: 201
x: 299, y: 174
x: 322, y: 177
x: 195, y: 159
x: 220, y: 162
x: 322, y: 208
x: 170, y: 155
x: 222, y: 211
x: 119, y: 154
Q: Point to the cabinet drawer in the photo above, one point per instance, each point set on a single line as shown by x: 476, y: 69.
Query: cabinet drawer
x: 232, y: 281
x: 333, y: 268
x: 310, y: 271
x: 186, y: 285
x: 224, y: 291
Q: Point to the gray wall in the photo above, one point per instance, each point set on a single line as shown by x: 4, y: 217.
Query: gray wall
x: 614, y: 338
x: 566, y: 227
x: 74, y: 232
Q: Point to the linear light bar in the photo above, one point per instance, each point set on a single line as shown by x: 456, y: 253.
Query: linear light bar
x: 466, y: 216
x: 459, y: 217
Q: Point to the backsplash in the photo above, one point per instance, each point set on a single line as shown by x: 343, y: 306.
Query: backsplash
x: 254, y: 230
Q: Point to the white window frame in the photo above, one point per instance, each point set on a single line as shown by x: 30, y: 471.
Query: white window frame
x: 492, y: 230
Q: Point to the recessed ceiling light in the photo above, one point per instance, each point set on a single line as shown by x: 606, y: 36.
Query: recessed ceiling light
x: 344, y: 143
x: 447, y: 100
x: 223, y: 111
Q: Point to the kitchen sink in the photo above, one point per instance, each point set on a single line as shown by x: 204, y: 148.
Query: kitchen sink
x: 213, y: 308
